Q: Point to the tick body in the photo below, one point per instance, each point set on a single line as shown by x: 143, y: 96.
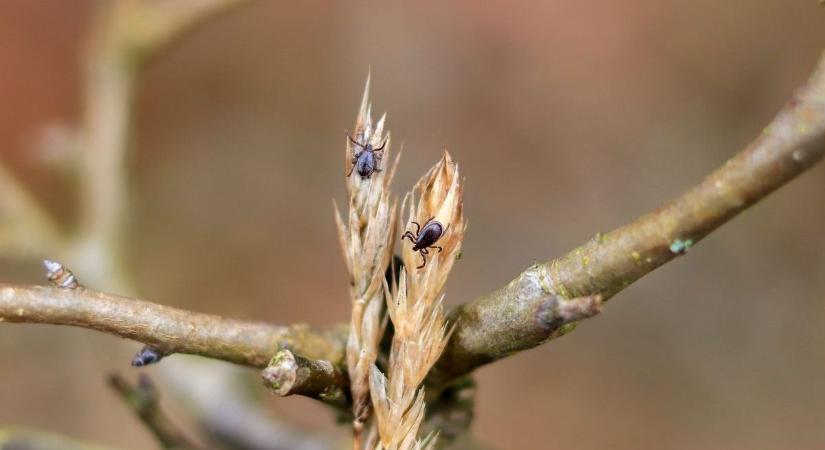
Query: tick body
x: 424, y: 238
x: 365, y: 162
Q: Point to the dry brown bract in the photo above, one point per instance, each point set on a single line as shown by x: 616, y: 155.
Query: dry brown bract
x: 418, y: 313
x: 367, y: 235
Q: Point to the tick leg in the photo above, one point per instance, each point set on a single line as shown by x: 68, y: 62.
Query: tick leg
x: 409, y: 235
x: 417, y: 227
x: 353, y: 140
x: 439, y: 248
x: 382, y: 145
x: 424, y: 263
x: 351, y: 168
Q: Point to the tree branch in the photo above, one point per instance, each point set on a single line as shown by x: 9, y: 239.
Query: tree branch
x: 514, y: 318
x: 167, y: 329
x: 144, y: 399
x: 290, y: 374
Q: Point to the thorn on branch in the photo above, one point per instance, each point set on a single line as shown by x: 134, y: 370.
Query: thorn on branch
x: 59, y: 275
x: 290, y: 374
x: 147, y: 355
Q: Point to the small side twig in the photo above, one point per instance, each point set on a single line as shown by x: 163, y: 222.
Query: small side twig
x: 144, y: 399
x: 290, y: 374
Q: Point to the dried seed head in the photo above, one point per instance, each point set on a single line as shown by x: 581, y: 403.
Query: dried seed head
x: 439, y: 197
x: 366, y: 234
x: 417, y: 311
x: 59, y: 275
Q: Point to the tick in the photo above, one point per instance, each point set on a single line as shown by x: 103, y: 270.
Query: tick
x: 365, y: 162
x: 424, y: 238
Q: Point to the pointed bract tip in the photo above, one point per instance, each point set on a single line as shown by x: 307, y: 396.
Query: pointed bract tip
x: 51, y: 266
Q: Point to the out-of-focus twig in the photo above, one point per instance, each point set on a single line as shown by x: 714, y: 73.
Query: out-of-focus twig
x: 168, y: 329
x: 527, y: 312
x: 144, y: 399
x: 20, y: 438
x: 127, y: 34
x: 220, y: 400
x: 290, y: 374
x: 25, y: 227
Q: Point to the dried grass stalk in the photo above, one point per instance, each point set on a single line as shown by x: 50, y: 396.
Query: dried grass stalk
x: 418, y: 313
x: 367, y: 235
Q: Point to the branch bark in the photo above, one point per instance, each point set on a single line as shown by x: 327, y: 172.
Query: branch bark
x: 167, y: 329
x: 514, y: 318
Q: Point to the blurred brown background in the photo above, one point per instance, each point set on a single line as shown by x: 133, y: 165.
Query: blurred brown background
x: 567, y: 118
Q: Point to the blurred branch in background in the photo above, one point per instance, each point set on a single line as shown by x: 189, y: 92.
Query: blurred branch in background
x: 224, y: 408
x: 25, y: 227
x: 20, y: 438
x: 126, y: 36
x: 144, y: 399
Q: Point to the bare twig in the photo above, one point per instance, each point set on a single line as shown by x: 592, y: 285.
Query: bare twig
x: 515, y: 317
x: 290, y: 374
x: 169, y: 330
x: 144, y: 399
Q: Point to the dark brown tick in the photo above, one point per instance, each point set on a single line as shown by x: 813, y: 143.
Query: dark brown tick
x: 424, y: 238
x: 365, y: 162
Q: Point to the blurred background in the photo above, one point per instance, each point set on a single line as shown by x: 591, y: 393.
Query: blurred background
x: 567, y: 119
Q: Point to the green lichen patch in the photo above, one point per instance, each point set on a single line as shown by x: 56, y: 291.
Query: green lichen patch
x: 680, y: 247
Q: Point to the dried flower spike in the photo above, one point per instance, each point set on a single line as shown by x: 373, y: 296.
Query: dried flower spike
x: 436, y: 198
x: 367, y: 236
x: 417, y: 311
x: 59, y: 275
